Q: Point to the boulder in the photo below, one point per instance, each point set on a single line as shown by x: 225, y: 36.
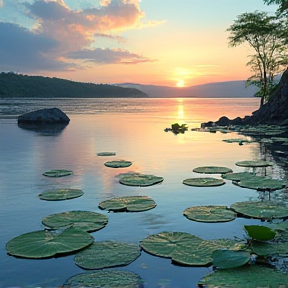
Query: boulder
x: 44, y: 116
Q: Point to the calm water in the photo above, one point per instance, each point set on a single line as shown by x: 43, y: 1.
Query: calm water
x: 133, y: 128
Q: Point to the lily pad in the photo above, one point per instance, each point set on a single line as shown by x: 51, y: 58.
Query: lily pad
x: 203, y: 182
x: 118, y: 164
x: 210, y: 214
x: 182, y: 248
x: 224, y: 259
x: 83, y: 220
x: 106, y: 254
x: 237, y: 140
x: 269, y: 249
x: 212, y: 170
x: 105, y: 279
x: 128, y: 203
x: 246, y: 276
x: 45, y: 244
x: 238, y: 176
x: 261, y: 183
x: 142, y: 180
x: 254, y: 163
x: 260, y: 233
x: 265, y: 210
x: 58, y: 173
x: 106, y: 154
x: 60, y: 194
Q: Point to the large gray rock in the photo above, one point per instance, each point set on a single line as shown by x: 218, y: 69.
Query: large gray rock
x: 44, y: 116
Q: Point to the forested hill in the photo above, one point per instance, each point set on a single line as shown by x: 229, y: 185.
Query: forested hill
x: 22, y: 86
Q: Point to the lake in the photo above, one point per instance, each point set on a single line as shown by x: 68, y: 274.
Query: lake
x: 134, y: 129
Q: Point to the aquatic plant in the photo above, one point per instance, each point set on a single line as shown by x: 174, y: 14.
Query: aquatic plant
x: 137, y: 179
x: 118, y: 164
x: 212, y: 170
x: 128, y: 204
x: 60, y: 194
x: 58, y: 173
x: 203, y: 182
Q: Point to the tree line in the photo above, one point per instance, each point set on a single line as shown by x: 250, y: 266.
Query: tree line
x: 267, y: 35
x: 14, y: 85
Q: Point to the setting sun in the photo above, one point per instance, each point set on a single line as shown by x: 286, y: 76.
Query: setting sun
x: 180, y: 83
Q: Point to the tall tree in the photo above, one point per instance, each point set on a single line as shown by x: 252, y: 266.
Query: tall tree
x: 261, y: 32
x: 283, y: 4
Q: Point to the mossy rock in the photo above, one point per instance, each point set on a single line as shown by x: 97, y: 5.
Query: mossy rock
x: 265, y: 210
x: 254, y: 163
x: 106, y: 254
x: 58, y: 173
x: 118, y: 164
x: 238, y: 176
x: 106, y: 154
x: 210, y: 214
x: 128, y: 204
x: 252, y: 276
x: 212, y: 170
x: 83, y: 220
x: 183, y: 248
x: 46, y: 244
x: 142, y: 180
x: 60, y: 194
x: 105, y: 279
x: 203, y: 182
x: 261, y: 183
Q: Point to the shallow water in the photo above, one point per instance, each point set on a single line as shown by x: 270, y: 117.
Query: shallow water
x: 134, y: 129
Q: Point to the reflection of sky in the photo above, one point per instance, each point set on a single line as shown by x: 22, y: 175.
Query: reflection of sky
x: 140, y: 138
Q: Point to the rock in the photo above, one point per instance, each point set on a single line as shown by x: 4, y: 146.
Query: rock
x: 44, y: 116
x: 274, y: 112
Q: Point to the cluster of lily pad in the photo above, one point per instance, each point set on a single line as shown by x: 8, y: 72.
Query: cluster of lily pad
x: 68, y: 232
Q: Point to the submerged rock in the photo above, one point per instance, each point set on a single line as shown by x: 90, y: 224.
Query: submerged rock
x: 44, y: 116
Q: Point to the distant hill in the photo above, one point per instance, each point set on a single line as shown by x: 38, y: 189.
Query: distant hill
x: 22, y: 86
x: 229, y: 89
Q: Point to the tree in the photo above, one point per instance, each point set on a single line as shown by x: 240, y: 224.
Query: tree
x: 283, y: 4
x: 263, y: 33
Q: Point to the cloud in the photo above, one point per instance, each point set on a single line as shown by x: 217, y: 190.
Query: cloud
x: 21, y: 49
x: 108, y: 56
x: 61, y: 35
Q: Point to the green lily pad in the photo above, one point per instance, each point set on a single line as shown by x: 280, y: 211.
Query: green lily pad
x: 118, y: 164
x: 58, y: 173
x: 106, y: 154
x: 212, y: 170
x: 265, y: 210
x: 238, y: 176
x: 255, y: 163
x: 60, y: 194
x: 224, y: 259
x: 261, y: 183
x: 269, y: 249
x: 142, y: 180
x: 105, y: 279
x: 237, y: 140
x: 183, y: 248
x: 246, y: 276
x: 45, y: 244
x: 83, y: 220
x: 106, y: 254
x: 128, y: 203
x: 203, y: 182
x: 260, y: 233
x: 211, y: 214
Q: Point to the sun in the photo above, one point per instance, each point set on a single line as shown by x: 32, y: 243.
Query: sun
x: 180, y: 83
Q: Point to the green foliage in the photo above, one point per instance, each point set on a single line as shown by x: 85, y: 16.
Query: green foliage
x: 176, y: 128
x: 203, y: 182
x: 260, y: 233
x: 82, y: 220
x: 128, y: 203
x: 142, y: 180
x: 118, y: 164
x: 106, y: 254
x: 58, y: 173
x: 224, y: 259
x: 210, y: 214
x: 264, y: 34
x: 45, y: 244
x: 18, y: 85
x: 60, y: 194
x: 212, y: 170
x: 105, y: 279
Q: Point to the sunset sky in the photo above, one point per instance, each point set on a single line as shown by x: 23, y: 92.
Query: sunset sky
x: 159, y: 42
